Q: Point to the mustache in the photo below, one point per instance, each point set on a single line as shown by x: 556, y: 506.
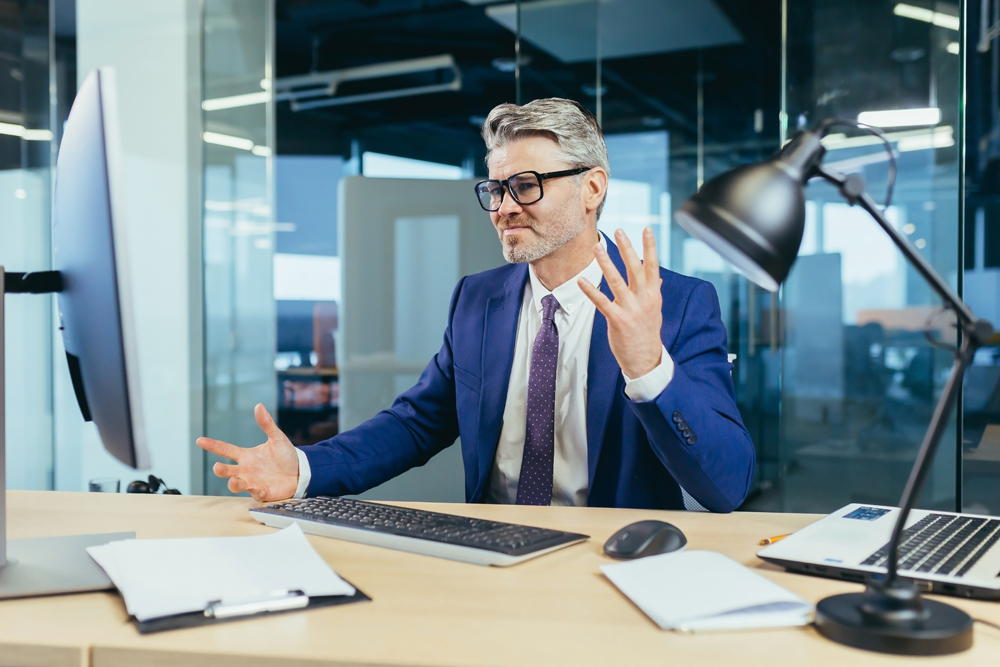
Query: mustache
x: 520, y: 220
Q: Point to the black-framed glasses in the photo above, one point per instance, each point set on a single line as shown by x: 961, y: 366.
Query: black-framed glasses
x: 525, y: 187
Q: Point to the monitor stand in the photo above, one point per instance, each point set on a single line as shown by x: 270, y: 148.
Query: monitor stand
x: 42, y: 565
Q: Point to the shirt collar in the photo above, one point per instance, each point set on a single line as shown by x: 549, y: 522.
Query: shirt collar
x: 569, y: 295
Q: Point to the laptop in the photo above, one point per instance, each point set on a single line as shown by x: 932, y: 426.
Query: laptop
x: 942, y: 552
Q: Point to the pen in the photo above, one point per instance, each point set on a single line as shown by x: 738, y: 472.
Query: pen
x: 772, y: 540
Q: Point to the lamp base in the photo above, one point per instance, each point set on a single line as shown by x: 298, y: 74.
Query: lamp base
x: 940, y: 630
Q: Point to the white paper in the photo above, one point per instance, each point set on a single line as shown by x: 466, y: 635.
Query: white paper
x: 704, y: 590
x: 174, y: 576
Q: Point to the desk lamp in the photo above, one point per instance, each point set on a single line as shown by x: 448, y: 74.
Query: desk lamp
x: 754, y: 217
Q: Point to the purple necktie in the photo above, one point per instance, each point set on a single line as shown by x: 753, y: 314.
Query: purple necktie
x: 534, y: 487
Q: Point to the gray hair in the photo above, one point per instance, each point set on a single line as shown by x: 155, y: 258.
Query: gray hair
x: 566, y: 122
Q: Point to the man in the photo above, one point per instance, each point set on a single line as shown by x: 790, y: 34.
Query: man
x: 575, y: 375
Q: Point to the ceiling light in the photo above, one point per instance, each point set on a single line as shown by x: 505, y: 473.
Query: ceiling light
x: 227, y: 140
x: 942, y: 137
x: 927, y: 16
x: 839, y: 141
x: 262, y: 151
x: 236, y: 101
x: 854, y: 164
x: 952, y: 48
x: 37, y: 135
x: 28, y: 135
x: 12, y: 130
x: 900, y: 117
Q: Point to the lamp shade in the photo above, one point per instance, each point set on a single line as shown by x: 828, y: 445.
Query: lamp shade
x: 754, y: 215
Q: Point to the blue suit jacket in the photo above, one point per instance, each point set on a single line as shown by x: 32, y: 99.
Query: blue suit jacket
x: 637, y: 455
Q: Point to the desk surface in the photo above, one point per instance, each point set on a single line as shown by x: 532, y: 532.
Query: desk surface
x: 555, y: 610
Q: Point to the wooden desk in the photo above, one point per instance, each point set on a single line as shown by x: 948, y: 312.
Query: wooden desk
x: 554, y: 610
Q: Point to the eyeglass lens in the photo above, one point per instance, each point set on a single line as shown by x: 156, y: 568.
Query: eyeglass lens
x: 525, y: 189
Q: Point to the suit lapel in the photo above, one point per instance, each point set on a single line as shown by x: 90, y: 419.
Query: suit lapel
x: 603, y: 375
x: 499, y: 337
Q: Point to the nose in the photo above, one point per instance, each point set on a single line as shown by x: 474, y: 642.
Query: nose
x: 508, y: 206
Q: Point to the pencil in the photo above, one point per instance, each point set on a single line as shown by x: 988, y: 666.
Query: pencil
x: 772, y: 540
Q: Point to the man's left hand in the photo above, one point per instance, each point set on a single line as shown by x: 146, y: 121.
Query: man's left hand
x: 635, y: 316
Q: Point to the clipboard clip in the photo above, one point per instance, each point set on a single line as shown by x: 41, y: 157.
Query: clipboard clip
x: 274, y: 601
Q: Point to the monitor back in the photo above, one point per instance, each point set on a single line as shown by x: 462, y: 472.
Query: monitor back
x: 90, y: 252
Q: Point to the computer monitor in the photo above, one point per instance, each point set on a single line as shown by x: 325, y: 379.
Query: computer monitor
x: 90, y: 253
x: 95, y: 316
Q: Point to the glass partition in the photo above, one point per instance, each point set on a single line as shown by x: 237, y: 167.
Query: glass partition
x: 389, y: 93
x: 833, y: 378
x: 25, y: 193
x: 981, y: 270
x: 683, y: 91
x: 690, y: 90
x: 239, y: 225
x: 860, y: 380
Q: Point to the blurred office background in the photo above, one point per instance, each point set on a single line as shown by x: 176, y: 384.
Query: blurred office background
x: 300, y: 207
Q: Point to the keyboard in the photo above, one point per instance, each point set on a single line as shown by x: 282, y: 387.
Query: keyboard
x: 477, y: 541
x: 942, y: 544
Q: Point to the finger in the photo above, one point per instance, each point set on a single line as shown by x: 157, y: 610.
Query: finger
x: 651, y: 262
x: 261, y: 494
x: 611, y: 274
x: 223, y: 449
x: 266, y: 423
x: 636, y: 276
x: 236, y: 485
x: 600, y: 300
x: 225, y: 470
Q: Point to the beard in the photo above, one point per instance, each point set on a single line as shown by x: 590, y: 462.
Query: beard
x: 545, y: 239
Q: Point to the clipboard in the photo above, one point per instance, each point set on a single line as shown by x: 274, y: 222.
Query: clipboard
x: 220, y: 611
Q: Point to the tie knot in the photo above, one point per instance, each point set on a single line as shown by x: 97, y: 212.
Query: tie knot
x: 549, y: 307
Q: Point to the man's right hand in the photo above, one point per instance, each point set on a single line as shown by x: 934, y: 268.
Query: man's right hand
x: 268, y: 472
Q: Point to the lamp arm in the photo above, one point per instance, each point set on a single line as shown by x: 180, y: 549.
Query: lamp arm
x: 976, y: 331
x: 928, y: 448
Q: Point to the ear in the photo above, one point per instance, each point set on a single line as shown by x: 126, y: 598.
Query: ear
x: 595, y: 186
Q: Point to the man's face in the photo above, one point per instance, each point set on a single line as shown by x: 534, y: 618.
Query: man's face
x: 532, y: 231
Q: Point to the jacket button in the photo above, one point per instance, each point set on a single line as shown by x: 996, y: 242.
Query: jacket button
x: 682, y: 424
x: 687, y: 433
x: 691, y: 439
x: 677, y: 417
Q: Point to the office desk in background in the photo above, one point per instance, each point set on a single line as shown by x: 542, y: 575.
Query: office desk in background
x: 556, y: 610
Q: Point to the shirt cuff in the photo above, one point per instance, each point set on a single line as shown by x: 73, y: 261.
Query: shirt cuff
x: 652, y: 384
x: 305, y: 474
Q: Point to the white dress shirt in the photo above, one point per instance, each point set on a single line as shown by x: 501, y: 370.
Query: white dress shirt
x: 575, y: 322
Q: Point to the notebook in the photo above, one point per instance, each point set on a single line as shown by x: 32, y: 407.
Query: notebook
x: 703, y: 590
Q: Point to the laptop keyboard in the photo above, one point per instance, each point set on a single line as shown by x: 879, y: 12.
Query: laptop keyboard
x: 942, y: 544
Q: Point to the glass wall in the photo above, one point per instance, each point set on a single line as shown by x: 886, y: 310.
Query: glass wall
x: 981, y: 268
x: 25, y: 194
x: 155, y: 49
x: 859, y: 380
x: 239, y: 225
x: 683, y: 91
x: 834, y: 377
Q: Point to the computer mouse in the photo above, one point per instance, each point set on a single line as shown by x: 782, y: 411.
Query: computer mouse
x: 645, y: 538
